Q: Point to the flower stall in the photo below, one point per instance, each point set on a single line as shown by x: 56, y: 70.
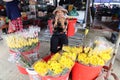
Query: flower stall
x: 85, y: 62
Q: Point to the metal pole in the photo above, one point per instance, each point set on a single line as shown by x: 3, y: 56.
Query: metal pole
x: 87, y: 14
x: 113, y: 57
x: 55, y: 2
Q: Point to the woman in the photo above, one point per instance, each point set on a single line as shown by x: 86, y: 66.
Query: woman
x: 14, y: 14
x: 59, y: 37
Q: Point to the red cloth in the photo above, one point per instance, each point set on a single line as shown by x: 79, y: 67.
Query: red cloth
x: 15, y: 25
x: 11, y: 27
x: 18, y: 24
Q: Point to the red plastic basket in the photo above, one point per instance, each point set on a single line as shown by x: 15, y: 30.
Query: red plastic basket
x: 48, y: 57
x: 83, y: 72
x: 50, y: 26
x: 25, y: 54
x: 22, y: 69
x: 32, y: 50
x: 71, y: 27
x: 63, y: 77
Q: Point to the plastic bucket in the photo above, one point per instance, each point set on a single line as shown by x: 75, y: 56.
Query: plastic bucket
x: 32, y: 50
x: 28, y: 55
x: 63, y: 77
x: 22, y: 69
x: 50, y: 26
x: 33, y: 75
x: 71, y: 27
x: 27, y: 52
x: 83, y: 72
x: 48, y: 57
x: 31, y: 54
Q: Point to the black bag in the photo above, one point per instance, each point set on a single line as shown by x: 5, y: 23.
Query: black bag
x: 114, y: 37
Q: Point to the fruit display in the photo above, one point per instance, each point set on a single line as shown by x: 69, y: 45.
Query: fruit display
x: 58, y: 65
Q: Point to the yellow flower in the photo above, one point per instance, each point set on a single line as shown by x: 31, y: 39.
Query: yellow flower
x: 66, y: 62
x: 101, y: 62
x: 70, y: 55
x: 56, y: 56
x: 66, y: 48
x: 41, y: 67
x: 93, y: 61
x: 80, y: 49
x: 81, y: 57
x: 105, y: 56
x: 86, y: 61
x: 86, y: 31
x: 55, y: 67
x: 86, y: 49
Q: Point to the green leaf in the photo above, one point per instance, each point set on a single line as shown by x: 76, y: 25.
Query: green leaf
x: 64, y: 71
x: 50, y: 73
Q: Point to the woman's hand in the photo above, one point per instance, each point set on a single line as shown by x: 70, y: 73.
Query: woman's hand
x: 62, y: 20
x: 56, y: 18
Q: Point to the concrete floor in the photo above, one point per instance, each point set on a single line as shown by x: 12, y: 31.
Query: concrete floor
x: 9, y: 71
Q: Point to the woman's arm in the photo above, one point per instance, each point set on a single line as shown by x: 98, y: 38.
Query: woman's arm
x: 54, y: 22
x: 64, y: 24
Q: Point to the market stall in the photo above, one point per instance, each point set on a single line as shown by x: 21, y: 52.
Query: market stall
x: 84, y: 62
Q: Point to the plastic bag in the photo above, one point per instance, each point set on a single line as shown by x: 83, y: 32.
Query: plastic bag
x: 101, y: 43
x: 33, y: 75
x: 14, y: 57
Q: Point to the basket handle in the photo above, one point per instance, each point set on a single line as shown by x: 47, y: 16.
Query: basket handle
x: 115, y: 76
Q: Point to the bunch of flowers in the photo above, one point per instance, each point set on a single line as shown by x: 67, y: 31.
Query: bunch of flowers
x: 23, y: 41
x: 20, y: 43
x: 94, y: 56
x: 24, y: 46
x: 58, y: 65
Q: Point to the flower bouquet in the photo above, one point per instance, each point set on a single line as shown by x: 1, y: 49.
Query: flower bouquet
x: 89, y: 60
x: 23, y: 41
x: 57, y: 66
x: 24, y: 46
x: 96, y: 55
